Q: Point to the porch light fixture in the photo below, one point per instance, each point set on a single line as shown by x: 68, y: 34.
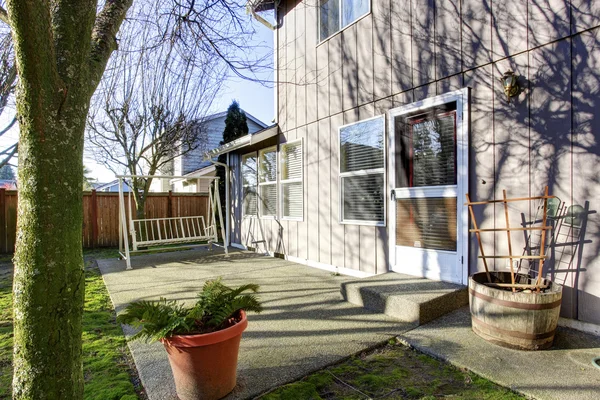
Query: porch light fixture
x: 510, y: 84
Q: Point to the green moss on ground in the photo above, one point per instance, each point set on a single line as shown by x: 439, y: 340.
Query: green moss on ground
x: 106, y: 366
x: 392, y: 372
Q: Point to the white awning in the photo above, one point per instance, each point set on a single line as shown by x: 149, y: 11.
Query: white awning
x: 244, y: 141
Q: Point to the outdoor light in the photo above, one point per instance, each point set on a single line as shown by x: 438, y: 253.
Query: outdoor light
x: 510, y: 84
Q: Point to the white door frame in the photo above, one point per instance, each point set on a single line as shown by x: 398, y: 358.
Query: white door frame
x: 461, y: 97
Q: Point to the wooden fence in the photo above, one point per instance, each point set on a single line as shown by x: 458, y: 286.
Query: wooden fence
x: 101, y: 214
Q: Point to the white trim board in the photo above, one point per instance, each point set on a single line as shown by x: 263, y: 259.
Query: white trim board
x: 328, y: 267
x: 460, y: 271
x: 586, y: 327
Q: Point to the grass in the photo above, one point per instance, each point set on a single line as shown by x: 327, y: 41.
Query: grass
x: 106, y: 361
x: 392, y: 372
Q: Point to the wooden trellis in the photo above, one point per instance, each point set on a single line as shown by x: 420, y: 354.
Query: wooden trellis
x: 543, y: 228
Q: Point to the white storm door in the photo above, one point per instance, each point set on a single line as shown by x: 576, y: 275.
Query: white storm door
x: 428, y: 181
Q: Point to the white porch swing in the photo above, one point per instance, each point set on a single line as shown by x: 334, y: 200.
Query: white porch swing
x: 191, y: 231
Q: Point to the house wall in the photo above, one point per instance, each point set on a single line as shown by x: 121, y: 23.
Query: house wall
x: 410, y: 50
x: 192, y: 161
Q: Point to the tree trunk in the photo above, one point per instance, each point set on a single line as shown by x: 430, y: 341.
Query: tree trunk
x: 61, y: 50
x: 49, y: 283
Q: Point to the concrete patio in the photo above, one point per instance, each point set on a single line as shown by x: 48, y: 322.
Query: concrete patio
x: 564, y: 371
x: 305, y: 325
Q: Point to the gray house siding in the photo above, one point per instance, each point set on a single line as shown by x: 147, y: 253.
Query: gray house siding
x: 405, y: 51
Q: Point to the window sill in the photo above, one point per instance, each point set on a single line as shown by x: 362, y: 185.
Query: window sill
x: 363, y: 223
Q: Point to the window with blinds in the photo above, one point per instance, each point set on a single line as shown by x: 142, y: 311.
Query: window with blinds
x: 249, y: 185
x: 362, y: 168
x: 267, y: 182
x: 292, y: 195
x: 428, y: 223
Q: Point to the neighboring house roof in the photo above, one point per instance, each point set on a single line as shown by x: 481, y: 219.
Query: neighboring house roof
x: 244, y: 141
x: 213, y: 125
x: 196, y: 174
x: 106, y: 187
x: 224, y: 113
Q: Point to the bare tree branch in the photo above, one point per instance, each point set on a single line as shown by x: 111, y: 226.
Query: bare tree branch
x: 4, y: 16
x: 104, y: 42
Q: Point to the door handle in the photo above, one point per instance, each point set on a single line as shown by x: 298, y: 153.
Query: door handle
x: 393, y: 195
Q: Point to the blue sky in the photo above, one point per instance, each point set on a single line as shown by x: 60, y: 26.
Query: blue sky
x: 255, y: 98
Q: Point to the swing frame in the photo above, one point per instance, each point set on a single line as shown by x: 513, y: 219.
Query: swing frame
x: 127, y: 225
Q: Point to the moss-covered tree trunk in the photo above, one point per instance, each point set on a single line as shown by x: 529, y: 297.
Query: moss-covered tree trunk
x: 60, y: 57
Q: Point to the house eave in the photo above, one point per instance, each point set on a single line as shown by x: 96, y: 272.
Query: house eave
x: 242, y: 142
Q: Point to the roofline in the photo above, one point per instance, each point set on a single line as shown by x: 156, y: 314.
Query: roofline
x: 244, y: 141
x: 224, y: 113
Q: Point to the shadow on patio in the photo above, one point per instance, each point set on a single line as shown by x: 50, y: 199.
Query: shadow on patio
x: 305, y: 325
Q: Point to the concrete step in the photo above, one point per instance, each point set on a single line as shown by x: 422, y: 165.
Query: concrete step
x: 405, y: 297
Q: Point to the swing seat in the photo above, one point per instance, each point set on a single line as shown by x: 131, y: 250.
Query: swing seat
x: 173, y: 230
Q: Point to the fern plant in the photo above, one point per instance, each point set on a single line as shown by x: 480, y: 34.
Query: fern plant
x: 217, y: 308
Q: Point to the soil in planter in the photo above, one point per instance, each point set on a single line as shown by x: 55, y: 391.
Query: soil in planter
x: 522, y: 279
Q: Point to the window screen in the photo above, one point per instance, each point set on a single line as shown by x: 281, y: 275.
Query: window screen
x: 267, y: 181
x: 291, y: 180
x: 362, y: 172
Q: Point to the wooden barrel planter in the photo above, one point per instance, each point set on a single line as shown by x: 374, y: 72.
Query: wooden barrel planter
x: 521, y: 320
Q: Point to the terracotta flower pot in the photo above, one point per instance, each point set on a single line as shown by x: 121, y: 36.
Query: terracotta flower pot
x: 205, y: 366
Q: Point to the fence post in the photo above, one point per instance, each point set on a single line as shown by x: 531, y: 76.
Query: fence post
x: 3, y: 228
x: 170, y: 204
x: 94, y: 218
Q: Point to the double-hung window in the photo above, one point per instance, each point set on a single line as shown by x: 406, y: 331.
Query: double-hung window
x: 267, y: 181
x: 292, y: 195
x: 334, y: 15
x: 362, y: 169
x: 249, y: 185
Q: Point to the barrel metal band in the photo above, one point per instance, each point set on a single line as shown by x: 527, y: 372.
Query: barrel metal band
x: 515, y: 334
x: 514, y: 304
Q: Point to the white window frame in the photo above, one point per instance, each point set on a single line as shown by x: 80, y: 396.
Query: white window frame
x: 275, y: 182
x: 342, y: 28
x: 363, y: 172
x: 244, y: 156
x: 284, y: 181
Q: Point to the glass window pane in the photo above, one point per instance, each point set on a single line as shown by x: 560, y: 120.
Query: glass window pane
x: 268, y: 166
x: 329, y: 18
x: 363, y: 198
x: 361, y: 145
x: 434, y: 151
x: 291, y: 161
x: 352, y: 10
x: 250, y: 205
x: 428, y: 223
x: 268, y: 199
x: 292, y: 199
x: 249, y: 170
